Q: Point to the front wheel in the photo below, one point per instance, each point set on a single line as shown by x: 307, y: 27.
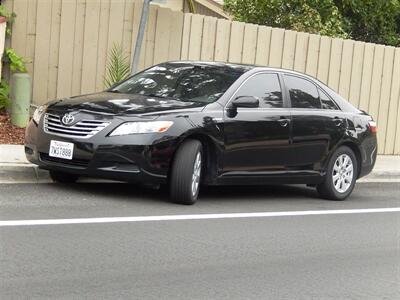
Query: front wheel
x: 341, y: 175
x: 186, y: 173
x: 63, y: 177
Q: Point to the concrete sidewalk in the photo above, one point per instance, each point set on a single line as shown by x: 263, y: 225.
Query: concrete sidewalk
x: 15, y: 168
x: 12, y: 154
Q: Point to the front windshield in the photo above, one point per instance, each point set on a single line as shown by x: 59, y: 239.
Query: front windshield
x: 180, y: 81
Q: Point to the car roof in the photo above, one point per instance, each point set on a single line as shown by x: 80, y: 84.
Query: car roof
x: 240, y: 67
x: 243, y: 67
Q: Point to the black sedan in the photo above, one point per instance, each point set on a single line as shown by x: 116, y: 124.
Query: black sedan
x: 187, y: 124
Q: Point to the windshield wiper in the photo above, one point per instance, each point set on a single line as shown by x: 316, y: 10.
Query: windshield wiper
x: 152, y: 95
x: 157, y: 96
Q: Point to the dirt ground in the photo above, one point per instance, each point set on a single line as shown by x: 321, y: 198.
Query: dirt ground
x: 10, y: 134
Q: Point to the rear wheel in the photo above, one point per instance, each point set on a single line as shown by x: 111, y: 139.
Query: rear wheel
x: 186, y: 173
x: 63, y: 177
x: 341, y: 175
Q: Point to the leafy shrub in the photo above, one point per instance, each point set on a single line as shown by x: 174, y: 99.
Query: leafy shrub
x: 376, y: 21
x: 314, y: 16
x: 4, y: 95
x: 10, y: 16
x: 16, y: 62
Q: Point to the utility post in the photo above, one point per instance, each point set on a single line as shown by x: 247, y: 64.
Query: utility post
x: 139, y: 38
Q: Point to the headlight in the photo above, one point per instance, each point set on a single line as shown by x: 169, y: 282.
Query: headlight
x: 38, y: 113
x: 142, y: 127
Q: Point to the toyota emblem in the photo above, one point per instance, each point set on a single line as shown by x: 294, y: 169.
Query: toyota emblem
x: 68, y: 119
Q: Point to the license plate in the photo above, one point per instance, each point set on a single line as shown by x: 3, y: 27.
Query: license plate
x: 61, y: 149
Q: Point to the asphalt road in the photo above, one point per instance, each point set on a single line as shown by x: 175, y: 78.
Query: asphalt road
x: 334, y: 256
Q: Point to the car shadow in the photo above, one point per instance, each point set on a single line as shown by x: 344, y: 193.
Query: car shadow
x: 258, y: 192
x: 127, y: 192
x: 117, y: 191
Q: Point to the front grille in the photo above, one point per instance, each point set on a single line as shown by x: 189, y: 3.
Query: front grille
x: 83, y: 129
x: 73, y: 162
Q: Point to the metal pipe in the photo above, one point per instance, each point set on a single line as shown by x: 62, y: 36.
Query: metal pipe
x: 139, y: 37
x: 21, y: 99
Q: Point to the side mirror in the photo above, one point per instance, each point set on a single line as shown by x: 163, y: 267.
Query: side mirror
x: 246, y: 101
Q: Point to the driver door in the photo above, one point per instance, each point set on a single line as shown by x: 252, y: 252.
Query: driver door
x: 257, y: 139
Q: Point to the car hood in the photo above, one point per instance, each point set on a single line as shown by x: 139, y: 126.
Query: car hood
x: 121, y: 104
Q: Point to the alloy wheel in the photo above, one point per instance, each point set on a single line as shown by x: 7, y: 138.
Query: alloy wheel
x: 196, y: 174
x: 342, y: 173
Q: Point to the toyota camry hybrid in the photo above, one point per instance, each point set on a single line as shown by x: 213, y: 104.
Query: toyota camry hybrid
x: 188, y: 124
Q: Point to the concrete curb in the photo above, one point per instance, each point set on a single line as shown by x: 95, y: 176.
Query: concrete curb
x: 28, y: 173
x: 22, y: 173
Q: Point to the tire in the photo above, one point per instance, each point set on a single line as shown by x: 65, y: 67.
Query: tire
x: 186, y: 173
x: 63, y: 177
x: 341, y: 175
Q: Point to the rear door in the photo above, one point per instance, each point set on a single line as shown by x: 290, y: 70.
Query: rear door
x: 257, y: 139
x: 317, y: 123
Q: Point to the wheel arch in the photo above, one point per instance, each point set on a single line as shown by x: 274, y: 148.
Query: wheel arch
x: 210, y: 154
x: 357, y: 152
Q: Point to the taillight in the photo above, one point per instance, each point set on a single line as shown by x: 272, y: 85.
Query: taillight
x: 372, y: 126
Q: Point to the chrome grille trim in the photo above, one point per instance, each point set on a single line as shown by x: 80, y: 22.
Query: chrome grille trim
x: 83, y: 129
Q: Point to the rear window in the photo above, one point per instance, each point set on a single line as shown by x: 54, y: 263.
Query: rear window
x: 303, y: 93
x: 326, y: 102
x: 341, y: 102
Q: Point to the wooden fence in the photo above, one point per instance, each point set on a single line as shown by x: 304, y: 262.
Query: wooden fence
x: 66, y: 43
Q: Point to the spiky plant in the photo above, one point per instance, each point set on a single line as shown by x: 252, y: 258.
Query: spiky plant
x: 118, y: 67
x: 192, y: 7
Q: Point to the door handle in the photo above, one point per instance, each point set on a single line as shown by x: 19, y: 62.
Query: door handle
x: 338, y: 121
x: 284, y: 122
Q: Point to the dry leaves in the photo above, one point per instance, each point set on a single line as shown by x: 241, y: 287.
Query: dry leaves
x: 10, y: 134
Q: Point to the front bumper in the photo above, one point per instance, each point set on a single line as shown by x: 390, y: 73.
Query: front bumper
x: 142, y: 158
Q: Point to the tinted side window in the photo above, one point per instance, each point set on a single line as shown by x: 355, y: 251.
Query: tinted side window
x: 265, y: 87
x: 303, y: 93
x: 326, y: 102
